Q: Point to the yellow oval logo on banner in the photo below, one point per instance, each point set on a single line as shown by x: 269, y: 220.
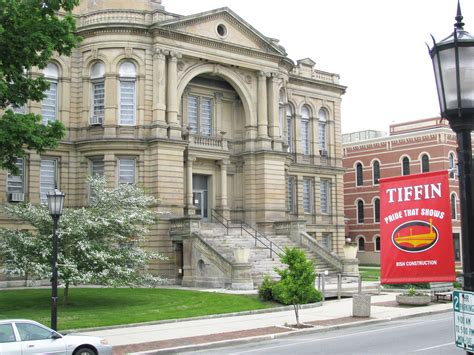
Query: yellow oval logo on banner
x: 415, y: 236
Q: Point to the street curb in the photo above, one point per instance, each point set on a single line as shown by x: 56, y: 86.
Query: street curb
x: 260, y: 338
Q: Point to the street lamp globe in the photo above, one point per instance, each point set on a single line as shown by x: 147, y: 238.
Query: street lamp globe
x: 55, y: 202
x: 453, y: 64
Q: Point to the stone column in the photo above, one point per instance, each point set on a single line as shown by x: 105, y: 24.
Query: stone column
x: 223, y: 196
x: 262, y: 114
x: 159, y: 103
x: 190, y: 208
x: 274, y: 113
x: 172, y: 96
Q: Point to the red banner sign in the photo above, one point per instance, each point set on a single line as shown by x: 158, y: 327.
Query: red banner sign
x: 415, y: 229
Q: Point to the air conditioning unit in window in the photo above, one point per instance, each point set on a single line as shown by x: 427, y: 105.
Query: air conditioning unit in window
x: 323, y: 153
x: 16, y: 197
x: 96, y: 120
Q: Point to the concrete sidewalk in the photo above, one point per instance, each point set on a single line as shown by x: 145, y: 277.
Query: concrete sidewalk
x: 187, y: 334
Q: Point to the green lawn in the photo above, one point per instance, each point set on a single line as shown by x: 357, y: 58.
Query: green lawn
x: 94, y: 307
x: 369, y: 273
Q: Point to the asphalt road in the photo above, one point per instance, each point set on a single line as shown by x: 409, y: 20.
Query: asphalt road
x: 432, y: 334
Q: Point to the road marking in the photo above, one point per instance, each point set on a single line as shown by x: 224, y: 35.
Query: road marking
x: 434, y: 347
x: 339, y: 336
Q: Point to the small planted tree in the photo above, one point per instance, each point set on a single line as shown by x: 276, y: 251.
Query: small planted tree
x: 296, y: 285
x: 102, y: 243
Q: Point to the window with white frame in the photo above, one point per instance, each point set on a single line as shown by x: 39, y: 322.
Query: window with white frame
x: 376, y: 243
x: 126, y: 171
x: 377, y: 210
x: 16, y: 183
x: 305, y: 131
x: 200, y: 114
x: 360, y: 211
x: 48, y: 177
x: 425, y: 163
x: 361, y: 243
x: 307, y: 195
x: 359, y: 174
x: 406, y: 166
x: 98, y: 93
x: 127, y: 99
x: 375, y: 172
x: 323, y: 119
x: 453, y: 206
x: 451, y: 165
x: 291, y: 194
x: 324, y: 190
x: 49, y: 105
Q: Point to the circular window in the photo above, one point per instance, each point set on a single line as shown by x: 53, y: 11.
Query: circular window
x: 221, y: 30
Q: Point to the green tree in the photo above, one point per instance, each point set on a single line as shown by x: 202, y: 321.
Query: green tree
x: 98, y: 244
x: 31, y: 31
x: 296, y: 285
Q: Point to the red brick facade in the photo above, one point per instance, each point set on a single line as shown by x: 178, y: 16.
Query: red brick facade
x: 409, y: 145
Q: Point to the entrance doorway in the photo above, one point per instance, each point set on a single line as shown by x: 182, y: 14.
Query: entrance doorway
x: 200, y: 195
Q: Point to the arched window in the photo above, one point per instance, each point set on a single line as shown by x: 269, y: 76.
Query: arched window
x: 451, y: 165
x: 376, y: 243
x: 305, y: 148
x: 453, y: 206
x: 361, y: 243
x: 375, y: 172
x: 289, y: 126
x: 406, y: 166
x: 98, y: 93
x: 376, y: 210
x: 127, y: 74
x: 360, y: 211
x: 323, y: 118
x: 425, y: 163
x: 359, y: 175
x: 49, y: 105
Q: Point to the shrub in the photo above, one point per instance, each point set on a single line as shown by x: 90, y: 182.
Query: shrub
x: 265, y: 291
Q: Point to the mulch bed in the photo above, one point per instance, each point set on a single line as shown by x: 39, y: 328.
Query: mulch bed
x: 196, y: 340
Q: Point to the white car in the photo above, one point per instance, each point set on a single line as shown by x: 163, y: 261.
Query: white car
x: 22, y: 336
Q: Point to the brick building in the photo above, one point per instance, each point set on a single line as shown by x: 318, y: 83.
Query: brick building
x: 409, y: 148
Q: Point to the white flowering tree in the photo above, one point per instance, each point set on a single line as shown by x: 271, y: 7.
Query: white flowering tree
x: 102, y: 243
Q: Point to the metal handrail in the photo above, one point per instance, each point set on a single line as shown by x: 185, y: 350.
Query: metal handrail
x: 244, y: 227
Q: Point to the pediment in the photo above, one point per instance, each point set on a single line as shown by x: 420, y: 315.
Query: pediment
x: 225, y: 26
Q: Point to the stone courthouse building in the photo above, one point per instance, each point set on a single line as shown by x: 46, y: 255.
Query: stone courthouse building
x: 205, y: 113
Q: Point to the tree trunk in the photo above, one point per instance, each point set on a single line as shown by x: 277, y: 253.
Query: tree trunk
x: 295, y: 306
x: 66, y: 294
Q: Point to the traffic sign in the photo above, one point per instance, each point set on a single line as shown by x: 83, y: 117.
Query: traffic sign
x: 463, y: 305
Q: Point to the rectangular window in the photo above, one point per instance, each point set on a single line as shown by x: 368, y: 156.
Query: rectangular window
x: 98, y: 102
x: 19, y: 109
x: 48, y: 177
x: 16, y: 183
x: 307, y: 195
x: 326, y: 240
x: 305, y: 137
x: 126, y: 171
x: 291, y: 194
x: 200, y: 115
x: 49, y: 106
x: 97, y: 167
x: 322, y: 136
x: 324, y: 196
x: 127, y: 102
x: 289, y: 125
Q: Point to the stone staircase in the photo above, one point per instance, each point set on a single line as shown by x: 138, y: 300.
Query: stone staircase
x: 262, y: 262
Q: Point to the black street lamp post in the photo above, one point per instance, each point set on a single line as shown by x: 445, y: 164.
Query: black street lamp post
x: 55, y: 206
x: 453, y: 63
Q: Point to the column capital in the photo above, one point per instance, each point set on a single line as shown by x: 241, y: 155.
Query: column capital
x: 159, y: 53
x: 223, y: 163
x: 174, y: 56
x: 262, y: 74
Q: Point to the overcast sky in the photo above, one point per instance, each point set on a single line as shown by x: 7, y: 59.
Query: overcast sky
x: 376, y: 46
